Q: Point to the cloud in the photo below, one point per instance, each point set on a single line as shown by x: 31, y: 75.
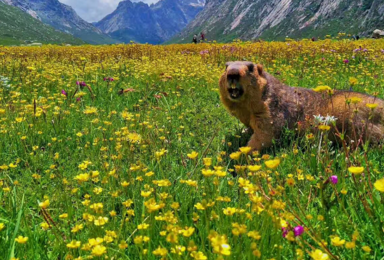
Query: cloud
x: 95, y: 10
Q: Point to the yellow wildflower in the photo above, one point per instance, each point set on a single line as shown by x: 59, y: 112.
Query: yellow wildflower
x: 356, y: 170
x: 272, y: 164
x: 379, y: 185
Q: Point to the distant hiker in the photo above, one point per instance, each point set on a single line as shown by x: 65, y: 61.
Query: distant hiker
x: 313, y: 39
x: 194, y: 38
x: 202, y: 36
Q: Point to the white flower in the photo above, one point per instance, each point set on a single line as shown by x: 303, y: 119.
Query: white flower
x: 330, y: 120
x: 324, y: 120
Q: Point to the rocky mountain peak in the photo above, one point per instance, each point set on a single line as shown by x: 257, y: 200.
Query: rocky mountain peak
x: 225, y: 20
x: 154, y: 23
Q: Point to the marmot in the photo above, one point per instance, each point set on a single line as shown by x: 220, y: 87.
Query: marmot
x: 263, y: 103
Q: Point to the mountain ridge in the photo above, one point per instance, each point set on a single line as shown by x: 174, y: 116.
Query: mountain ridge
x: 17, y: 27
x: 225, y: 20
x: 155, y: 23
x: 62, y: 17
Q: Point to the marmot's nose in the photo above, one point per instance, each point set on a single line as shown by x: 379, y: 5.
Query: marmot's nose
x: 233, y: 74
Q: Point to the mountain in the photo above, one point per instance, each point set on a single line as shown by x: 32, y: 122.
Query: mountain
x: 154, y: 24
x: 225, y: 20
x: 16, y: 27
x: 61, y: 17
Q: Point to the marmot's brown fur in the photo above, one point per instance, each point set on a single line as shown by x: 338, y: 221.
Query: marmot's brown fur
x: 266, y: 105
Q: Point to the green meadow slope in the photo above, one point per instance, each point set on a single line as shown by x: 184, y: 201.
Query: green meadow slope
x: 16, y: 27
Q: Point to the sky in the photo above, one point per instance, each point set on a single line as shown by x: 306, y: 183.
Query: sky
x: 95, y: 10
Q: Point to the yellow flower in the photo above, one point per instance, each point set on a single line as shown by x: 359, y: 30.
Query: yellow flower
x: 187, y: 232
x: 65, y: 215
x: 254, y: 168
x: 318, y: 255
x: 229, y: 211
x: 192, y: 155
x: 367, y: 249
x: 323, y: 89
x: 235, y: 156
x: 21, y: 239
x: 336, y: 241
x: 160, y: 251
x: 207, y: 162
x: 371, y: 106
x: 162, y: 183
x: 77, y: 228
x: 324, y: 127
x: 379, y: 185
x: 44, y: 204
x: 207, y: 172
x: 101, y: 221
x: 142, y: 226
x: 353, y: 81
x: 99, y: 250
x: 199, y: 206
x: 350, y: 245
x: 123, y: 245
x: 44, y: 226
x: 2, y: 226
x: 220, y: 245
x: 90, y: 110
x: 74, y: 244
x: 198, y: 255
x: 356, y: 170
x: 272, y: 164
x: 95, y: 241
x: 355, y: 100
x: 245, y: 150
x: 254, y: 234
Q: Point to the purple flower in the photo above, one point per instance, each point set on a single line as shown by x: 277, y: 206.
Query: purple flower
x: 204, y: 52
x: 108, y: 79
x: 63, y: 92
x: 78, y: 99
x: 382, y: 51
x: 346, y: 61
x: 333, y: 179
x: 81, y: 83
x: 298, y: 231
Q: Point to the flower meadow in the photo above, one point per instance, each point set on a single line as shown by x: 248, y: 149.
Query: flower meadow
x: 125, y: 152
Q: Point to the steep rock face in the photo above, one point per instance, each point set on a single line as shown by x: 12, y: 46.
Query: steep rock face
x: 61, y: 17
x: 154, y: 24
x: 132, y: 21
x: 225, y: 20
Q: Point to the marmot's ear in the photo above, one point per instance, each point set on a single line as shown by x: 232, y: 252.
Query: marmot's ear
x: 227, y: 64
x: 251, y: 66
x: 260, y: 69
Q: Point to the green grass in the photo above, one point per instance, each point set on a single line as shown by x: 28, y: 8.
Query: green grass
x: 46, y: 137
x: 16, y: 27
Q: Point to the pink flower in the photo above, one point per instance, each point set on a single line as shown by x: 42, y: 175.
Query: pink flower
x: 285, y: 231
x: 333, y: 179
x: 63, y: 92
x: 346, y: 61
x: 299, y: 230
x: 81, y: 83
x: 108, y: 79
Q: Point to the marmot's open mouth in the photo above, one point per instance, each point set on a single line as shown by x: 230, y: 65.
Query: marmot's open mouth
x: 235, y: 93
